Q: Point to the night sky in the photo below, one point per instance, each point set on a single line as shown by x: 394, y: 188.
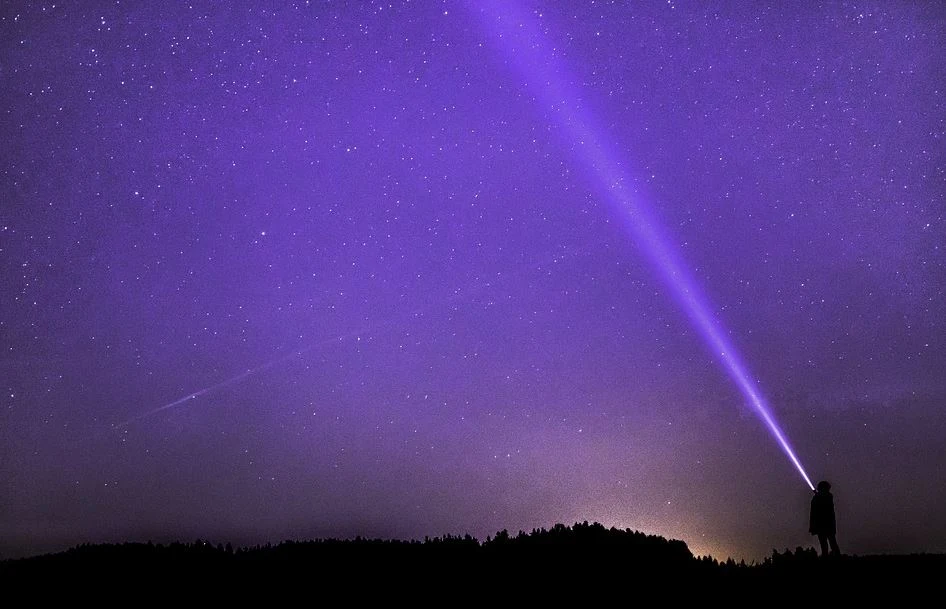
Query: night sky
x: 338, y: 269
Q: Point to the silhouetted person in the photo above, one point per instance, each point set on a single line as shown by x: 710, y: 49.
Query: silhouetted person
x: 822, y: 521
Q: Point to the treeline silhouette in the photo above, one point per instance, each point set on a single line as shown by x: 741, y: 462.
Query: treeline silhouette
x: 581, y: 546
x: 560, y: 558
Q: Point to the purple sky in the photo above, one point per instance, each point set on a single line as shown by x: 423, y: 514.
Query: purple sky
x: 367, y: 239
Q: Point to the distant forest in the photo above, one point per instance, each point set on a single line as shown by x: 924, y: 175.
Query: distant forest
x: 566, y: 558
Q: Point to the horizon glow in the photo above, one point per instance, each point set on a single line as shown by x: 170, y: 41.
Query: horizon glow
x: 522, y: 44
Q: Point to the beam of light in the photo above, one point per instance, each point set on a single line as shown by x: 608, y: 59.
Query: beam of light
x: 525, y: 46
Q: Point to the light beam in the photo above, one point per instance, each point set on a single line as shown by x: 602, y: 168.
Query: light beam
x: 526, y: 46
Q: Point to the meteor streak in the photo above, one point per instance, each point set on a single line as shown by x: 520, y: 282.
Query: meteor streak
x: 525, y: 46
x: 457, y: 294
x: 230, y: 381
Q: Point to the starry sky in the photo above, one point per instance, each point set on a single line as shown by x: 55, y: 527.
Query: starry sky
x: 292, y: 270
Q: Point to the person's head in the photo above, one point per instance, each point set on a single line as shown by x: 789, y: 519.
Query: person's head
x: 824, y: 486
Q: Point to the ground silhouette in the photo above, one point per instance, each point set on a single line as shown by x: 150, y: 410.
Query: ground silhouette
x: 583, y: 559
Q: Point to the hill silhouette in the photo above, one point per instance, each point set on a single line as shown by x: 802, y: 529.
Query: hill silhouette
x: 563, y: 559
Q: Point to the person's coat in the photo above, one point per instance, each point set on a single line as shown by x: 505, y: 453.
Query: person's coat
x: 821, y: 521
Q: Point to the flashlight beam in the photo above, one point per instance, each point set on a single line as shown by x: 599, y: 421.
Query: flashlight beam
x: 526, y: 47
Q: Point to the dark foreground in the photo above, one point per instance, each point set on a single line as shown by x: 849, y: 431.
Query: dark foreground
x: 586, y: 560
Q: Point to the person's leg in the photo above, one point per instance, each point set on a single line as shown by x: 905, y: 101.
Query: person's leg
x: 823, y: 539
x: 834, y: 545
